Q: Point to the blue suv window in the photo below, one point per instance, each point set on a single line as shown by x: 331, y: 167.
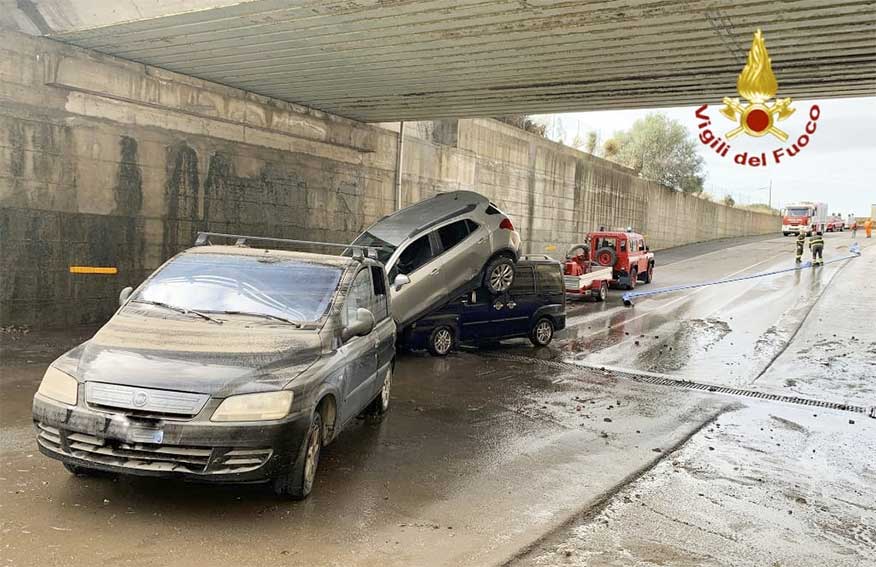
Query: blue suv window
x: 550, y: 279
x: 524, y: 281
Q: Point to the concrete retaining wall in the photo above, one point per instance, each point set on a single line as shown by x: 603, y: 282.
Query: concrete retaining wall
x: 109, y: 163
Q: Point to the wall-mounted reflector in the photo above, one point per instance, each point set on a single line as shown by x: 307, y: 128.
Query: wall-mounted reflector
x: 93, y: 270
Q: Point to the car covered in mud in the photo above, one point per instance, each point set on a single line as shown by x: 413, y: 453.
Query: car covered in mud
x: 229, y: 363
x: 441, y: 248
x: 534, y: 307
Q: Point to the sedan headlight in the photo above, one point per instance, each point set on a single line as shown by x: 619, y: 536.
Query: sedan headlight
x: 254, y: 407
x: 59, y: 386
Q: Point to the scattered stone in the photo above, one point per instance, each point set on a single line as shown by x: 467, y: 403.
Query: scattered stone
x: 851, y: 422
x: 636, y: 343
x: 711, y: 448
x: 606, y: 419
x: 657, y: 450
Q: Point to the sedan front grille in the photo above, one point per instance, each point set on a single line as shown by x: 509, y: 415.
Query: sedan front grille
x: 149, y: 457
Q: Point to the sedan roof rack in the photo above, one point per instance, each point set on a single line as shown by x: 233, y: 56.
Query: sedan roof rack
x: 359, y: 252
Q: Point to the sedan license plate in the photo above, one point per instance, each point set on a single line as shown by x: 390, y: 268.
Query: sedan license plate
x: 140, y: 435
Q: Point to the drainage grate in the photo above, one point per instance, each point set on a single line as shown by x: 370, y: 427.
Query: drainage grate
x: 663, y: 380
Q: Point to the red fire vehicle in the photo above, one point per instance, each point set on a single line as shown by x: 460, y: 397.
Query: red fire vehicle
x: 626, y: 253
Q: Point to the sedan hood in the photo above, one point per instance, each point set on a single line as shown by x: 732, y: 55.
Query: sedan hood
x: 195, y: 355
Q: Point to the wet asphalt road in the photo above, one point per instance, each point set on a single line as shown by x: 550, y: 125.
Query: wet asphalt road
x: 517, y: 454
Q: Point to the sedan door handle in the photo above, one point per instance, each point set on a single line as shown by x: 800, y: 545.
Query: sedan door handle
x: 482, y: 240
x: 435, y: 271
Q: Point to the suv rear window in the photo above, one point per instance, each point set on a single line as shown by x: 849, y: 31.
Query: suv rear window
x: 492, y: 210
x: 452, y: 234
x: 524, y: 280
x: 550, y: 279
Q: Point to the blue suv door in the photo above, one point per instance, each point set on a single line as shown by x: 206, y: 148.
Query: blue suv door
x: 476, y: 317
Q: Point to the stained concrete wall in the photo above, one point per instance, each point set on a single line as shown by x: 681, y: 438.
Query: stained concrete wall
x: 109, y: 163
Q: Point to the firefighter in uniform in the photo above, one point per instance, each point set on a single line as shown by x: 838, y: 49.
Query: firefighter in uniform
x: 816, y: 244
x: 801, y: 240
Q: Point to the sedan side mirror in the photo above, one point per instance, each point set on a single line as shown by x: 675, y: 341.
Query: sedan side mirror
x: 400, y: 281
x: 124, y: 295
x: 363, y: 325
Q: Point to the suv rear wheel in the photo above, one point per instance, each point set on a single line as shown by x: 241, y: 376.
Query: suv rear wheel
x: 440, y: 341
x: 542, y: 332
x: 499, y: 275
x: 298, y: 482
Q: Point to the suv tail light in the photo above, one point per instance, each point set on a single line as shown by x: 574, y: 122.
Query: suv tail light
x: 506, y: 224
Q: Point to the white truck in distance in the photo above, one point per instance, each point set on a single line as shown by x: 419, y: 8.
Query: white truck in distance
x: 804, y: 217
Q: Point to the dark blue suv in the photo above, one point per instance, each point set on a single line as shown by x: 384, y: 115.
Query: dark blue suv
x: 534, y: 307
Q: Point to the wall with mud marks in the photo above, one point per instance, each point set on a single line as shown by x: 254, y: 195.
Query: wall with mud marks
x: 109, y: 163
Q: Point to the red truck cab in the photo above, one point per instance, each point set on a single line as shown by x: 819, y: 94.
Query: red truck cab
x: 626, y: 253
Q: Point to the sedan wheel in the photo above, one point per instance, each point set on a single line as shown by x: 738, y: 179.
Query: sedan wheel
x: 441, y: 341
x: 542, y: 333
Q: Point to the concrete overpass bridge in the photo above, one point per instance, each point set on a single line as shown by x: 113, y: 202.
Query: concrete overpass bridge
x: 374, y: 60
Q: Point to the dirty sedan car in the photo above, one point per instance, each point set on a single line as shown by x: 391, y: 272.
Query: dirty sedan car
x: 443, y: 247
x: 229, y: 363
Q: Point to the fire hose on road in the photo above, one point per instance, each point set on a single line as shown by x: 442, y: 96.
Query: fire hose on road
x: 628, y: 297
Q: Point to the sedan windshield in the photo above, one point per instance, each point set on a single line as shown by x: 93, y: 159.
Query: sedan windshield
x: 384, y: 248
x: 278, y: 288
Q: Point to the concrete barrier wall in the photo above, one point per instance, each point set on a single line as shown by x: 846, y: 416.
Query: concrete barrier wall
x: 109, y: 163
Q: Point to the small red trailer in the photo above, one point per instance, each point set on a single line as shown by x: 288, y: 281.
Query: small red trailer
x: 583, y: 278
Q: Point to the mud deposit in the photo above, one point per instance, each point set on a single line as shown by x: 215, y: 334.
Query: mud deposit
x: 676, y: 351
x: 762, y: 486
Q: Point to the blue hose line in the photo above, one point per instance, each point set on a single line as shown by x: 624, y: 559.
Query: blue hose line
x: 854, y: 252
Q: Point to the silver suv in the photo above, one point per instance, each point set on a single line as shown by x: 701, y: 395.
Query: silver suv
x: 441, y: 248
x: 229, y: 363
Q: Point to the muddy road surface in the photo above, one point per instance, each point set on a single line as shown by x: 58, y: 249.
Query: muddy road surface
x: 574, y: 454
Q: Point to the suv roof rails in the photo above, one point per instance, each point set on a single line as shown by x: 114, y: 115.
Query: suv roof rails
x: 359, y: 252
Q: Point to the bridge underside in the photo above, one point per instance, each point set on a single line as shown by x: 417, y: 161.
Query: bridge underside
x: 405, y: 59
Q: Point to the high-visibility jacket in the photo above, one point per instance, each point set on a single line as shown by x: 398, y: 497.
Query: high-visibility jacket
x: 816, y: 241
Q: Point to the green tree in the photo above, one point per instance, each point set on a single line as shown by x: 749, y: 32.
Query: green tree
x: 610, y: 148
x: 592, y: 142
x: 661, y: 149
x: 729, y: 201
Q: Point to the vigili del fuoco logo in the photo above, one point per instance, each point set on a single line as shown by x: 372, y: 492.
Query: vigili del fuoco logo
x: 756, y: 116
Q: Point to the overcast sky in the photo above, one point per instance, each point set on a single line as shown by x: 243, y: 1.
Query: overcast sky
x: 837, y: 167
